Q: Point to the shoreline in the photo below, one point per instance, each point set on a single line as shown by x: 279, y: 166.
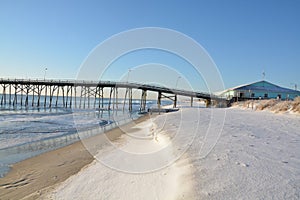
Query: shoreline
x: 115, y: 175
x: 28, y: 178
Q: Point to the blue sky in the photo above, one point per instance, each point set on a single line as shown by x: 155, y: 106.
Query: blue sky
x: 242, y: 37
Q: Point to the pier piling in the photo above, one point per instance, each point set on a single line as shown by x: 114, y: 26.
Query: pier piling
x: 41, y: 93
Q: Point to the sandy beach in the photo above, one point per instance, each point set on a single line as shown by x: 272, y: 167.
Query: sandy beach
x: 255, y: 157
x: 31, y: 177
x: 34, y: 174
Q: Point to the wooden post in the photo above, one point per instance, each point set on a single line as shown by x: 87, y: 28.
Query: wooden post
x: 100, y: 97
x: 175, y: 101
x: 110, y: 95
x: 84, y: 100
x: 81, y: 89
x: 51, y: 95
x: 21, y: 88
x: 9, y: 94
x: 57, y: 93
x: 45, y: 99
x: 39, y: 96
x: 33, y: 91
x: 4, y: 93
x: 143, y: 100
x: 63, y: 94
x: 27, y: 93
x: 3, y: 98
x: 67, y: 96
x: 15, y: 98
x: 116, y: 95
x: 75, y: 97
x: 130, y: 99
x: 128, y: 93
x: 88, y: 94
x: 125, y: 98
x: 159, y: 102
x: 95, y: 96
x: 70, y: 105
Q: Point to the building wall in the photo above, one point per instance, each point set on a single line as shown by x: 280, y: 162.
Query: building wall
x: 266, y: 94
x: 259, y: 94
x: 261, y: 89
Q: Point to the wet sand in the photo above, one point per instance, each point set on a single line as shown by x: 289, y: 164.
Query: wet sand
x: 30, y: 178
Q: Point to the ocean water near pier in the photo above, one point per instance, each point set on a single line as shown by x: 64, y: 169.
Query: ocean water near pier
x: 27, y: 132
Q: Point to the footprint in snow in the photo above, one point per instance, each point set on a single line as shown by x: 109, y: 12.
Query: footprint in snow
x: 242, y: 164
x: 253, y: 136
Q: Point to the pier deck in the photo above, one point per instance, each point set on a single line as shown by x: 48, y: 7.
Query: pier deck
x: 86, y: 91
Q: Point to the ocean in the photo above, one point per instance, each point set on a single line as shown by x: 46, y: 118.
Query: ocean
x: 27, y: 132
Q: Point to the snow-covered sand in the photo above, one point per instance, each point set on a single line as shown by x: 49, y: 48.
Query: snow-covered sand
x: 100, y: 180
x: 256, y: 157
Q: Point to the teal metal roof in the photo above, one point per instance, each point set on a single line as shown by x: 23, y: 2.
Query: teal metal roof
x: 264, y: 86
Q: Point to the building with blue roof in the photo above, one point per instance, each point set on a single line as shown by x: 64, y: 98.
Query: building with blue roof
x: 260, y: 90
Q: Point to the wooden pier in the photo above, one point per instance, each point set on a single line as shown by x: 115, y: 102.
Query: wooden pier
x: 86, y: 94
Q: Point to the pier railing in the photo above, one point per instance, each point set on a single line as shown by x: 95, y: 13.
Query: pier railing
x: 80, y: 93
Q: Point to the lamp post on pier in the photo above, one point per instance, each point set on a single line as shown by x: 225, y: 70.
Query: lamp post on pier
x: 129, y: 70
x: 45, y: 73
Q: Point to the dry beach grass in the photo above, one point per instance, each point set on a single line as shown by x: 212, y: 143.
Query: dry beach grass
x: 276, y: 106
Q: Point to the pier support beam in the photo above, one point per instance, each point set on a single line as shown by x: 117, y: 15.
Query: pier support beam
x: 45, y: 97
x: 38, y: 93
x: 15, y: 98
x: 52, y: 90
x: 100, y: 97
x: 112, y: 97
x: 164, y: 96
x: 3, y: 98
x: 115, y: 105
x: 21, y: 89
x: 9, y: 94
x: 33, y: 91
x: 128, y: 93
x: 175, y: 101
x: 143, y: 101
x: 57, y: 94
x: 159, y: 102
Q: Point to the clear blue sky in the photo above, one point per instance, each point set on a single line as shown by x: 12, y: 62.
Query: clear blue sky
x: 242, y: 37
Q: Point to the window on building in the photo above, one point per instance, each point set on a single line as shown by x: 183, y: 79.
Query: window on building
x: 252, y: 95
x: 266, y: 95
x: 242, y: 94
x: 279, y: 96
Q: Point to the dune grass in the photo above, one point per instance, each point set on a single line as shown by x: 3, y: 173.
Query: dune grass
x: 273, y: 105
